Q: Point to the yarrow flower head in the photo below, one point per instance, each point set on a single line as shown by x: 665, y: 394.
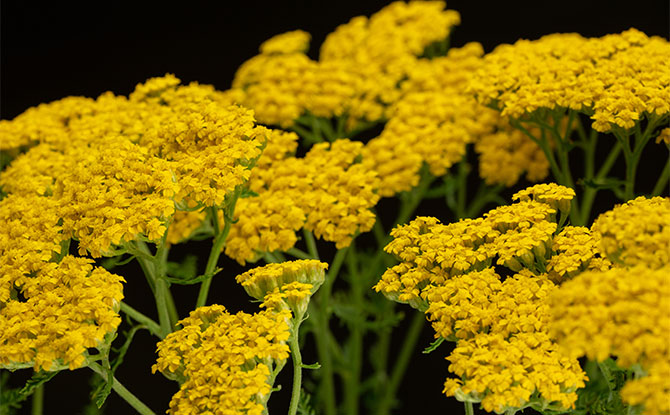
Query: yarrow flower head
x: 54, y: 315
x: 636, y: 232
x: 224, y: 361
x: 556, y: 196
x: 295, y: 281
x: 289, y: 42
x: 570, y: 71
x: 327, y: 192
x: 623, y: 313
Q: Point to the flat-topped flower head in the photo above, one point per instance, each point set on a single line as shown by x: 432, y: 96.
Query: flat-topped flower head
x: 260, y: 281
x: 650, y: 391
x: 328, y: 192
x: 554, y: 195
x: 617, y: 79
x: 289, y: 42
x: 294, y: 296
x: 112, y: 193
x: 54, y: 315
x: 513, y: 373
x: 224, y: 361
x: 621, y: 312
x: 575, y: 249
x: 636, y: 232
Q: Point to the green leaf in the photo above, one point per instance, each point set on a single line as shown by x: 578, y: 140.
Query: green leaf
x: 186, y: 270
x: 434, y: 345
x: 10, y: 398
x: 305, y: 405
x: 195, y: 280
x: 313, y: 366
x: 100, y: 394
x: 247, y: 193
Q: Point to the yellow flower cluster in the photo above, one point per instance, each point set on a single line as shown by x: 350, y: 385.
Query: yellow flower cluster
x: 434, y: 119
x: 637, y: 232
x: 45, y: 123
x: 258, y: 282
x: 29, y: 238
x: 50, y: 313
x: 621, y: 312
x: 506, y: 153
x: 210, y: 144
x: 616, y: 79
x: 558, y: 197
x: 360, y: 66
x: 504, y: 357
x: 479, y: 302
x: 575, y: 250
x: 56, y: 312
x: 382, y: 50
x: 223, y: 361
x: 112, y: 193
x: 327, y: 192
x: 117, y: 165
x: 289, y: 42
x: 282, y: 86
x: 651, y: 391
x: 513, y: 373
x: 430, y: 252
x: 294, y: 296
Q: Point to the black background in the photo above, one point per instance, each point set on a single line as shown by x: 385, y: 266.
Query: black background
x: 50, y: 50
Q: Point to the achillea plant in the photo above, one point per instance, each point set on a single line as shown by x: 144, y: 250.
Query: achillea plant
x: 554, y: 304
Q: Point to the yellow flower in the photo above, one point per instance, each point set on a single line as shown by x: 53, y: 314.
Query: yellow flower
x: 111, y: 193
x: 575, y: 250
x: 620, y: 312
x: 63, y: 309
x: 223, y: 361
x: 637, y: 232
x: 327, y: 192
x: 650, y: 391
x: 556, y: 196
x: 512, y: 373
x: 616, y: 79
x: 261, y: 281
x: 289, y: 42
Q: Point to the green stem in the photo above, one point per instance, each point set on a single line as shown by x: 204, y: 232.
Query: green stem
x: 217, y: 247
x: 298, y: 253
x: 311, y: 243
x: 463, y: 170
x: 624, y: 141
x: 590, y: 192
x: 352, y: 380
x: 322, y: 334
x: 270, y: 258
x: 469, y: 410
x: 121, y: 390
x: 306, y: 134
x: 410, y: 200
x: 484, y: 195
x: 148, y: 263
x: 38, y: 401
x: 662, y: 182
x: 152, y: 326
x: 379, y: 232
x: 294, y: 344
x: 273, y: 377
x: 408, y: 346
x: 546, y: 149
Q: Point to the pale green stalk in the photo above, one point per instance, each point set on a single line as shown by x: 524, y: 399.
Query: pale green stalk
x: 121, y: 390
